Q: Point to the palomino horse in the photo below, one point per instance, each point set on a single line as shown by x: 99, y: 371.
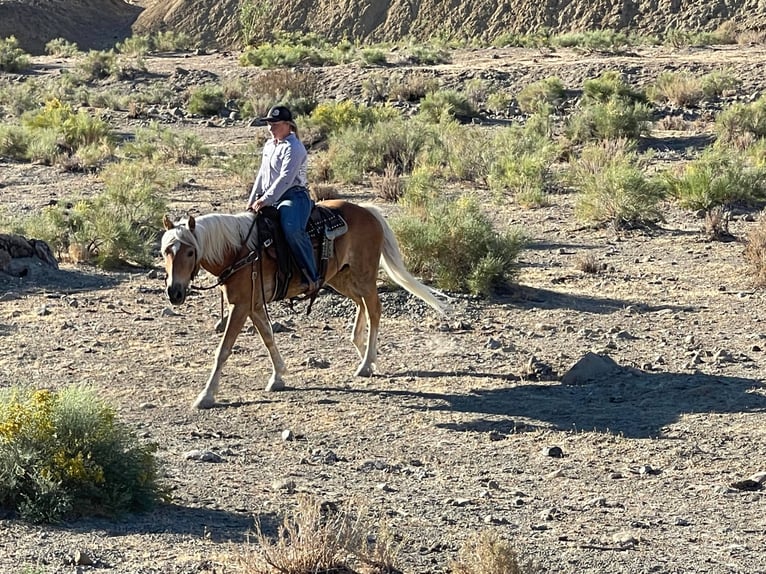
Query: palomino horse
x: 215, y: 242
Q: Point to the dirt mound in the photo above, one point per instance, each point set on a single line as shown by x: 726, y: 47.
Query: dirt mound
x: 91, y: 24
x: 98, y: 24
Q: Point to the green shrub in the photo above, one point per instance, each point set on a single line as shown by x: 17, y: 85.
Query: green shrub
x: 170, y: 41
x: 545, y: 92
x: 256, y: 21
x: 136, y: 46
x: 445, y: 104
x: 717, y: 178
x: 679, y: 88
x: 65, y: 454
x: 521, y: 161
x: 513, y: 40
x: 96, y: 65
x: 460, y: 152
x: 160, y: 144
x: 332, y: 117
x: 13, y: 141
x: 72, y: 129
x: 19, y: 97
x: 426, y: 55
x: 616, y: 118
x: 355, y: 151
x: 12, y: 58
x: 592, y: 40
x: 373, y: 57
x: 739, y: 122
x: 612, y: 186
x: 717, y: 82
x: 454, y: 245
x: 282, y: 56
x: 62, y: 48
x: 607, y: 86
x: 206, y: 100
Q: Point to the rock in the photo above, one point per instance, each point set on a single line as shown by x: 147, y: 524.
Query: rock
x: 203, y: 456
x: 283, y: 484
x: 287, y: 435
x: 590, y: 367
x: 553, y: 451
x: 82, y: 558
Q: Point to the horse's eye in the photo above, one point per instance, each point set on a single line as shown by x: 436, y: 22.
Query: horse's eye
x: 191, y: 254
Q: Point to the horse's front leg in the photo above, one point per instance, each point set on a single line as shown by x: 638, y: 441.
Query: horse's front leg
x: 237, y: 316
x: 263, y: 326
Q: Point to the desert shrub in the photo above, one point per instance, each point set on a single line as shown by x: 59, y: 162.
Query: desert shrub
x: 545, y: 92
x: 521, y: 161
x: 160, y: 144
x: 256, y: 22
x: 62, y: 48
x: 412, y: 87
x: 607, y: 86
x: 372, y: 56
x: 66, y: 454
x: 616, y: 118
x: 119, y: 225
x: 244, y: 164
x: 57, y: 130
x: 426, y: 55
x: 13, y: 141
x: 453, y: 244
x: 476, y: 91
x: 613, y: 188
x: 540, y: 39
x: 276, y: 55
x: 442, y: 104
x: 716, y: 178
x: 294, y: 88
x: 136, y: 46
x: 319, y: 538
x: 421, y: 189
x: 498, y: 101
x: 19, y: 97
x: 12, y: 57
x: 206, y: 100
x: 388, y: 185
x: 460, y: 152
x: 679, y: 88
x: 740, y: 120
x: 355, y: 151
x: 592, y: 40
x: 717, y: 82
x: 170, y: 41
x: 96, y: 65
x: 486, y: 553
x: 755, y: 252
x: 332, y: 117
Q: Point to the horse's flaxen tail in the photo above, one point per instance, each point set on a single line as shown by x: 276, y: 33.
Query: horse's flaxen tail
x: 391, y: 261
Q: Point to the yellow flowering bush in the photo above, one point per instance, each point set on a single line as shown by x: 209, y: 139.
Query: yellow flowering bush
x: 65, y: 454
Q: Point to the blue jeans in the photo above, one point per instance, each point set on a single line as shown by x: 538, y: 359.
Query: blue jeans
x: 294, y: 210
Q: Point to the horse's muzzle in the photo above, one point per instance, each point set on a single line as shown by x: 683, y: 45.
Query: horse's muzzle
x: 176, y: 294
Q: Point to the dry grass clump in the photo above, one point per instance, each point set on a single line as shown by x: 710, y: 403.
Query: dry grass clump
x: 487, y: 553
x: 320, y: 538
x: 388, y: 186
x: 589, y: 264
x: 755, y: 252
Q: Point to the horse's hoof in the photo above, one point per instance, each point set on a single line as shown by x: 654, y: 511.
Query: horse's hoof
x: 275, y: 386
x: 203, y: 403
x: 364, y: 372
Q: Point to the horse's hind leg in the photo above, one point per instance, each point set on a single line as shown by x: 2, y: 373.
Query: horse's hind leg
x: 372, y: 310
x: 237, y: 317
x: 360, y: 322
x: 263, y: 326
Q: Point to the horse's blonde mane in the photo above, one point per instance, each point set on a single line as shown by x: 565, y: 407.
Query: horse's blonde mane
x: 214, y: 236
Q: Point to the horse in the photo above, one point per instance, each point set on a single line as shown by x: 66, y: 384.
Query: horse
x: 216, y: 242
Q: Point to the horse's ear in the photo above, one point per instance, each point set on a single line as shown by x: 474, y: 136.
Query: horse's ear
x: 167, y: 223
x: 191, y: 223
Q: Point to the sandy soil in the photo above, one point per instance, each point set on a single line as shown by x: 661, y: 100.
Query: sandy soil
x: 451, y: 436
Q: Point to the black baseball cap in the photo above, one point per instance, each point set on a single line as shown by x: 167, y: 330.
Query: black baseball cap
x: 278, y: 114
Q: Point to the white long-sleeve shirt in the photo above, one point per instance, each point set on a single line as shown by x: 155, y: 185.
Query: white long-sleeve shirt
x: 283, y: 165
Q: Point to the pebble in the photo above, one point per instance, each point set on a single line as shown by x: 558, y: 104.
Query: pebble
x: 203, y: 456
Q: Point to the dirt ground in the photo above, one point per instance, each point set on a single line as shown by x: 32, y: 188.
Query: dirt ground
x: 453, y: 435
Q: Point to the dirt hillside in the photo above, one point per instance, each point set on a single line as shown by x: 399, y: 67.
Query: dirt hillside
x: 98, y: 24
